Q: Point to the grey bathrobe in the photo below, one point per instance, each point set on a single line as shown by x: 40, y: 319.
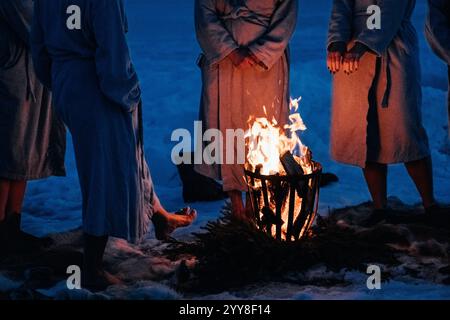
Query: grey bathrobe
x: 231, y: 95
x: 376, y: 111
x: 437, y: 31
x: 97, y: 92
x: 32, y: 139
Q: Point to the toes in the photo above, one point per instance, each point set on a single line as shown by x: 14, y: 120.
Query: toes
x: 188, y: 213
x: 183, y: 212
x: 193, y: 214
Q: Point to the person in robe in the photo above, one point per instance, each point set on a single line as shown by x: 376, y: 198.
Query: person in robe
x: 245, y: 74
x: 32, y: 139
x: 437, y: 31
x: 80, y: 51
x: 377, y: 97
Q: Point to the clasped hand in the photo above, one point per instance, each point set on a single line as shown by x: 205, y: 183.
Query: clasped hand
x: 340, y: 59
x: 243, y: 58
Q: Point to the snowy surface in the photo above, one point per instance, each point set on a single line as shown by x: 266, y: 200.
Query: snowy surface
x: 164, y: 49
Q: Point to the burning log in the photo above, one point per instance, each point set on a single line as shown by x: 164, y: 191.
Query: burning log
x: 270, y: 218
x: 293, y: 168
x: 283, y: 188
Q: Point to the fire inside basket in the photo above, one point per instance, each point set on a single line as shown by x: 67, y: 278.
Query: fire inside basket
x: 285, y: 206
x: 283, y: 188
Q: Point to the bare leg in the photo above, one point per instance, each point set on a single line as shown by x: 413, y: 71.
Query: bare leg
x: 165, y: 223
x: 421, y: 172
x: 94, y: 249
x: 4, y: 193
x: 16, y: 195
x: 376, y: 178
x: 237, y: 205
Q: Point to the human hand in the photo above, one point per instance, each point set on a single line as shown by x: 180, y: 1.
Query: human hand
x: 243, y: 58
x: 353, y: 56
x: 238, y: 56
x: 335, y: 56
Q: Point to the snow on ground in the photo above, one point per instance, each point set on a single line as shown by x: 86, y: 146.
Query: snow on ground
x: 394, y: 290
x: 164, y: 49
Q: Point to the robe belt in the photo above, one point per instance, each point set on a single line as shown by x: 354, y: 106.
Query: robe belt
x: 387, y: 73
x: 30, y: 90
x: 246, y: 14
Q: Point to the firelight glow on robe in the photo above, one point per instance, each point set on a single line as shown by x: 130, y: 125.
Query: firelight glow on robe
x: 230, y: 95
x: 376, y: 114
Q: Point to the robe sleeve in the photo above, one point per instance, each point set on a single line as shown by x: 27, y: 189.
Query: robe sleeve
x: 10, y: 13
x: 41, y: 59
x: 117, y: 76
x: 437, y: 29
x: 214, y: 39
x: 392, y: 16
x: 340, y: 26
x: 272, y: 45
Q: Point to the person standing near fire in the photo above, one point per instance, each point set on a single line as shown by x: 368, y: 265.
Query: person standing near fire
x: 32, y: 139
x: 377, y: 96
x: 438, y: 35
x: 245, y: 73
x: 81, y: 52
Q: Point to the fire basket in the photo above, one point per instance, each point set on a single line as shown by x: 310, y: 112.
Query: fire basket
x: 285, y: 205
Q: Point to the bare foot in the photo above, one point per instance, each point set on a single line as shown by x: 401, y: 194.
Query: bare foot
x: 165, y: 223
x: 238, y: 214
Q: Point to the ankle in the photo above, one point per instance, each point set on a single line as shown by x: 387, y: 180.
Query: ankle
x: 159, y: 216
x: 380, y: 206
x: 13, y: 220
x: 430, y: 204
x: 160, y: 211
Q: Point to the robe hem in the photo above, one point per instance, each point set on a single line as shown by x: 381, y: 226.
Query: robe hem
x: 200, y: 169
x: 20, y: 177
x: 228, y: 189
x: 133, y: 240
x: 381, y: 161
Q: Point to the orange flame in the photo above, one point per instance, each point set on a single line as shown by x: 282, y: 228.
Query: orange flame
x: 267, y: 141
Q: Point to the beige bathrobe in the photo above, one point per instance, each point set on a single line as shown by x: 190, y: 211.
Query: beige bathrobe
x: 231, y: 95
x: 376, y: 112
